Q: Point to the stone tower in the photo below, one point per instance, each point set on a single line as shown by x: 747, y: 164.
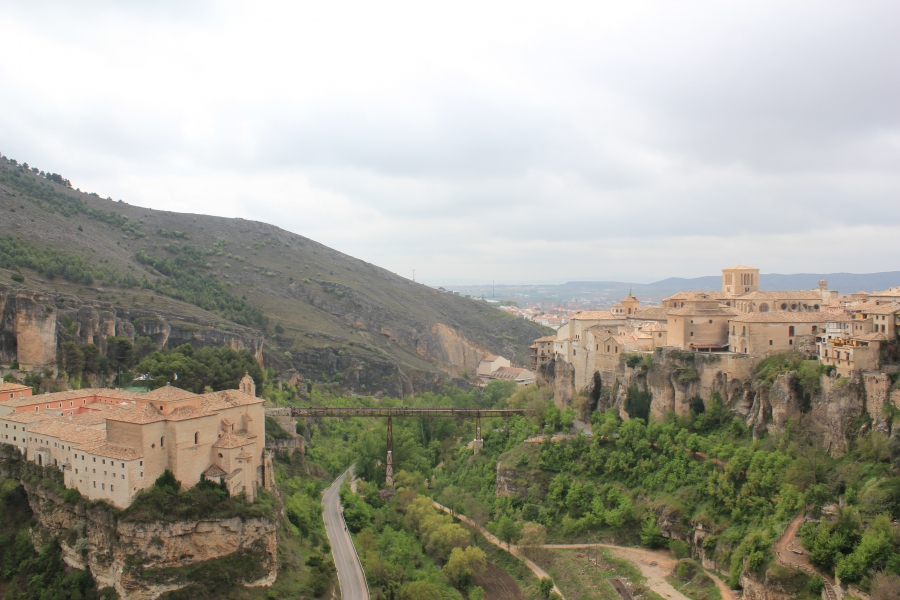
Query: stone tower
x: 739, y: 280
x: 247, y: 385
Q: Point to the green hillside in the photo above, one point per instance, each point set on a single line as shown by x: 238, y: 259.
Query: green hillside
x: 333, y: 317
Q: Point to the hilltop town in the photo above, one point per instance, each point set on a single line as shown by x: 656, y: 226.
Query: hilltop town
x: 845, y: 332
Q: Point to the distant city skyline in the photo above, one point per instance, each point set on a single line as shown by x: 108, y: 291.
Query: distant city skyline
x: 473, y: 142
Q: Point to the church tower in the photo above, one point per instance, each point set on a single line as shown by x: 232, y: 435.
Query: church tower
x: 247, y: 385
x: 739, y: 280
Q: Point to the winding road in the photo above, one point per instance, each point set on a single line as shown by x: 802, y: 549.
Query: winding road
x: 349, y: 570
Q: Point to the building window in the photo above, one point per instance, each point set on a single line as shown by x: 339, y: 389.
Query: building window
x: 95, y: 459
x: 141, y: 463
x: 162, y: 442
x: 692, y: 334
x: 791, y: 331
x: 744, y: 332
x: 770, y: 342
x: 102, y: 486
x: 95, y: 484
x: 123, y: 465
x: 112, y: 488
x: 196, y: 438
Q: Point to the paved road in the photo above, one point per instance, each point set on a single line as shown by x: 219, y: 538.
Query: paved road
x: 349, y: 571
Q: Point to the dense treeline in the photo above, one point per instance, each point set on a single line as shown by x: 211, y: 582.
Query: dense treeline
x: 210, y: 368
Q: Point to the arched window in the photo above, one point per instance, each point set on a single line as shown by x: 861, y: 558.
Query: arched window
x: 197, y: 434
x: 791, y: 331
x: 162, y: 442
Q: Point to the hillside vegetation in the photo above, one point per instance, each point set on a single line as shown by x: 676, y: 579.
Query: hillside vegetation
x: 701, y: 487
x: 333, y: 317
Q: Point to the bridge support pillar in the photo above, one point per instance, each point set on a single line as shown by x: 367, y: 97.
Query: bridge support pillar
x: 479, y: 443
x: 389, y: 461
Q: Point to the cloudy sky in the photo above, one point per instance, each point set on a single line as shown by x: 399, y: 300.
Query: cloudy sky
x: 476, y: 141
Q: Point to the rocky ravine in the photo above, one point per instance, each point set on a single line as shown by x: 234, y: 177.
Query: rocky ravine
x: 118, y: 552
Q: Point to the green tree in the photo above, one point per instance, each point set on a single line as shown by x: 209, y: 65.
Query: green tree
x: 72, y: 359
x: 507, y: 530
x: 92, y: 363
x: 464, y: 564
x: 545, y: 587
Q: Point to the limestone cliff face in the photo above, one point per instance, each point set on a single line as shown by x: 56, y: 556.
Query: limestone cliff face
x: 448, y: 346
x: 559, y: 376
x: 95, y: 539
x: 28, y: 329
x: 758, y: 590
x: 33, y: 325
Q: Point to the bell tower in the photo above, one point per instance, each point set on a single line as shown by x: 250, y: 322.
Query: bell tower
x: 739, y: 280
x: 247, y: 385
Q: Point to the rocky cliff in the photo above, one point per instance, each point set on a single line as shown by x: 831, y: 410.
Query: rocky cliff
x: 34, y: 324
x: 140, y: 560
x: 675, y: 379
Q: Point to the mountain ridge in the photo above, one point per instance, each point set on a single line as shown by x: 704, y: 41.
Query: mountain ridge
x: 334, y: 318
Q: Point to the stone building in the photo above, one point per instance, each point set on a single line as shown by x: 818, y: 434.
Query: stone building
x: 765, y: 334
x: 701, y: 325
x: 110, y: 443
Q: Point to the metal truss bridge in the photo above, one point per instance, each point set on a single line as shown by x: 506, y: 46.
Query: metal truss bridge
x: 403, y: 412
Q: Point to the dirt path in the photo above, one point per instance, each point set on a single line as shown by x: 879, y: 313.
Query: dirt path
x: 654, y: 565
x: 514, y: 550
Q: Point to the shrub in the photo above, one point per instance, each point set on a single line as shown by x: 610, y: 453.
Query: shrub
x: 679, y: 549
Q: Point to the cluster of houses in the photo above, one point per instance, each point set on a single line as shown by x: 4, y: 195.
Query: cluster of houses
x: 844, y: 331
x: 111, y: 443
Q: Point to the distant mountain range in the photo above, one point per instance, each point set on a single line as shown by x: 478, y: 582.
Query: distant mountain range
x: 843, y: 282
x: 601, y: 293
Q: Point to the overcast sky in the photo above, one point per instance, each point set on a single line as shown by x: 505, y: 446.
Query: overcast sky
x: 517, y: 142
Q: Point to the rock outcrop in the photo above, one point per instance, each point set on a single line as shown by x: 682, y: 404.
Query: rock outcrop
x: 93, y: 536
x: 32, y: 325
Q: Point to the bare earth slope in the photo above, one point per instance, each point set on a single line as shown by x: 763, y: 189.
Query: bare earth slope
x: 343, y: 319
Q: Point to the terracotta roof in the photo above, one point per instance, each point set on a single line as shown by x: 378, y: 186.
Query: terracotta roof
x: 111, y: 451
x: 66, y: 432
x: 711, y: 295
x: 595, y: 315
x: 874, y: 309
x: 784, y: 295
x: 187, y: 412
x: 546, y: 338
x: 490, y: 358
x: 780, y: 316
x: 227, y: 399
x: 27, y: 417
x: 139, y: 415
x: 70, y: 395
x: 12, y: 387
x: 690, y: 311
x: 513, y: 370
x: 657, y: 327
x: 244, y: 456
x: 740, y: 267
x: 650, y: 313
x: 893, y: 292
x: 234, y: 440
x: 215, y: 471
x: 233, y: 474
x: 870, y: 337
x: 168, y: 392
